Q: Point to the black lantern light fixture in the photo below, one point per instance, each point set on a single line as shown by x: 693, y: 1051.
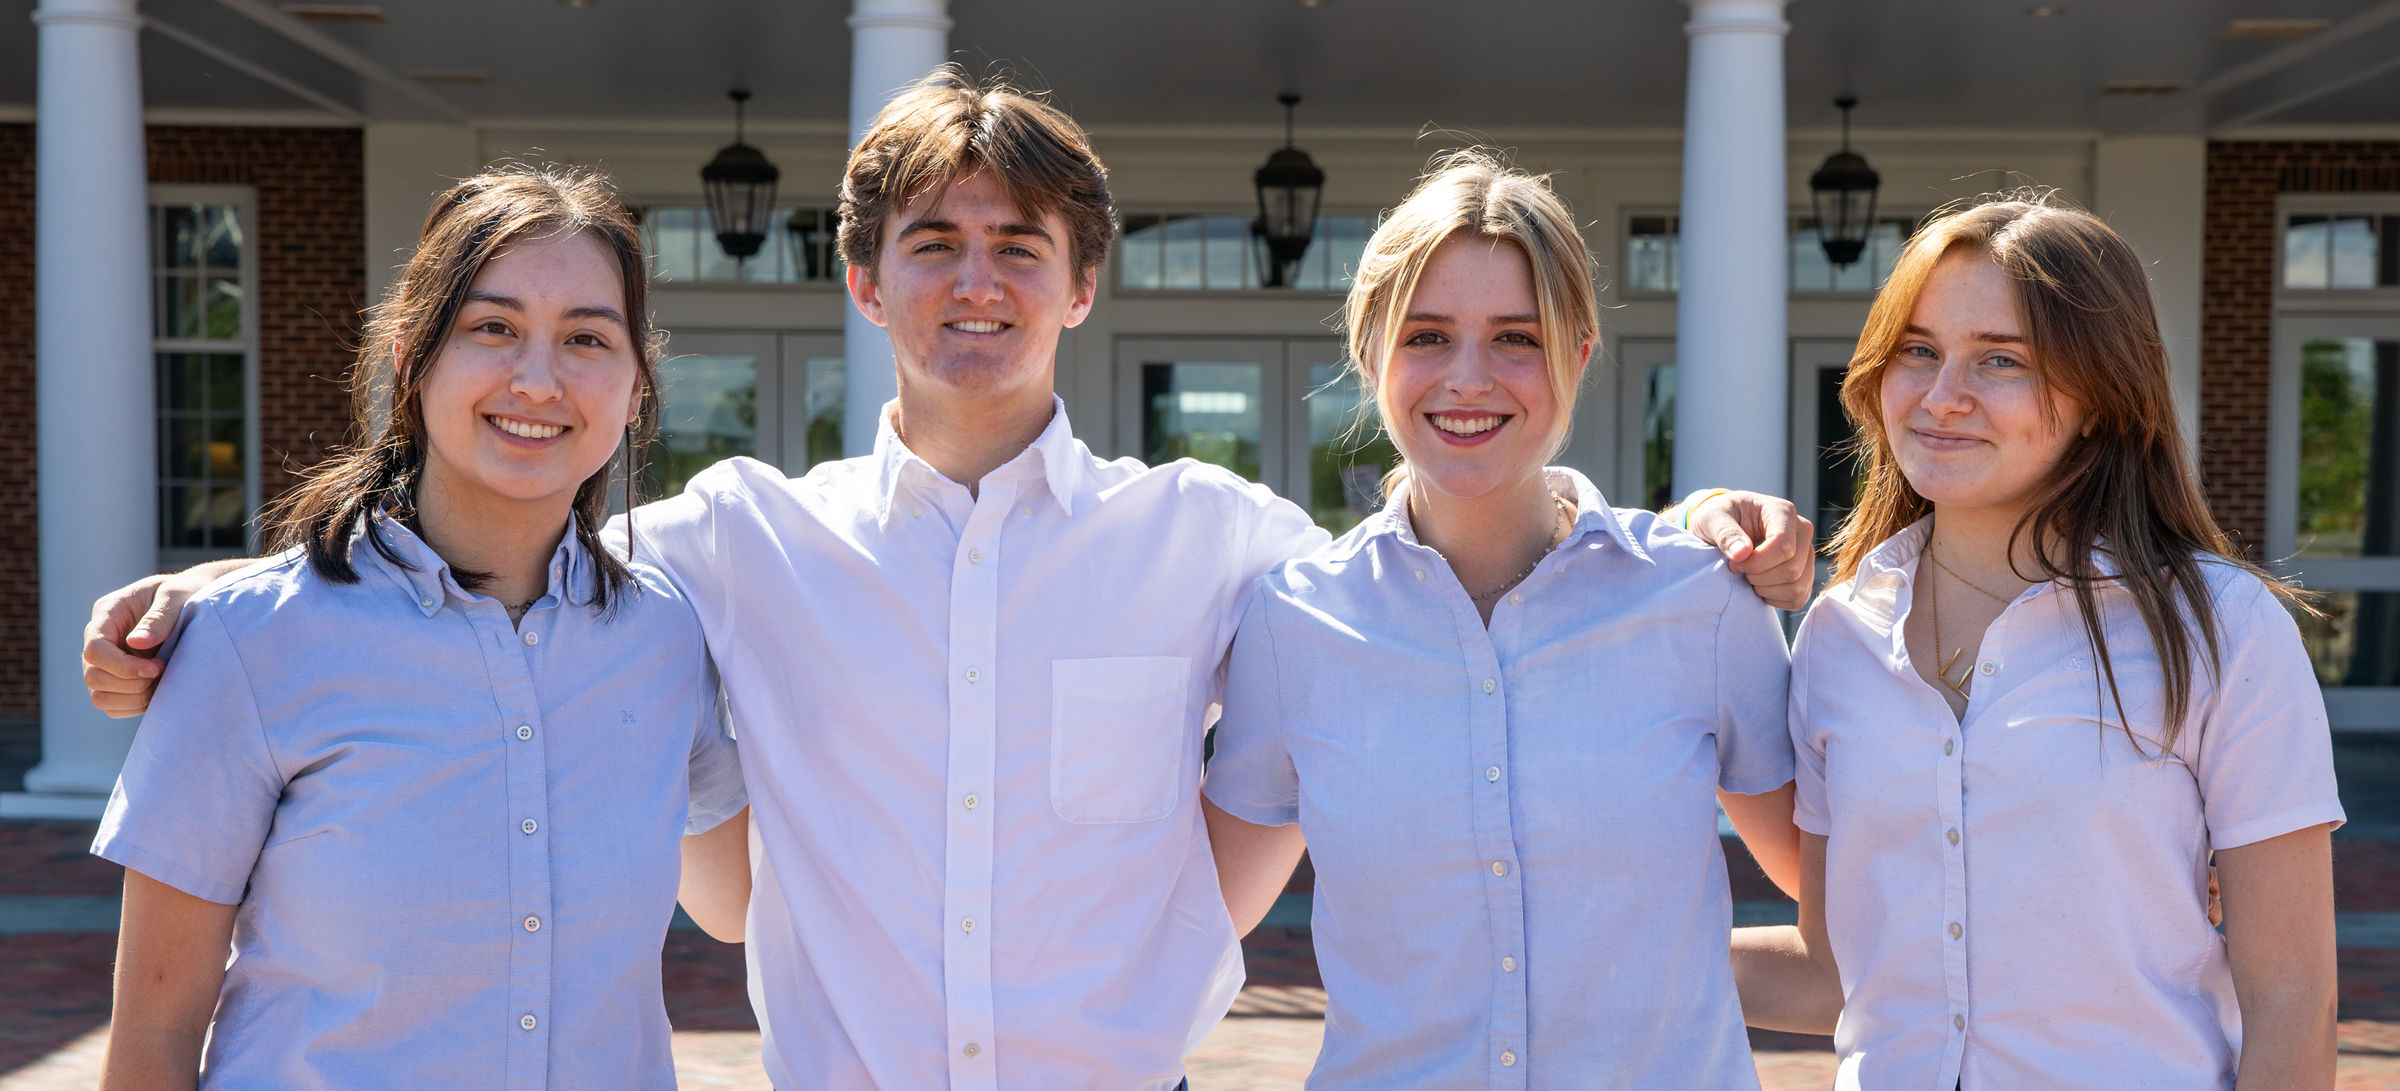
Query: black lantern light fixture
x: 740, y: 185
x: 1288, y: 188
x: 1843, y: 190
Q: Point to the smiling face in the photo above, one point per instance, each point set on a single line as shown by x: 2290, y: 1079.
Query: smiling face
x: 1969, y: 420
x: 1465, y: 387
x: 974, y: 293
x: 534, y: 383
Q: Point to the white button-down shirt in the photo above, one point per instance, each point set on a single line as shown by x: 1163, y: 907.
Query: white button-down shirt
x: 972, y: 729
x: 1519, y: 883
x: 2020, y: 899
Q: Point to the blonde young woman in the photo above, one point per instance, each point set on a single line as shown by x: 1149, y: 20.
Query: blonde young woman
x: 2038, y: 699
x: 1500, y: 713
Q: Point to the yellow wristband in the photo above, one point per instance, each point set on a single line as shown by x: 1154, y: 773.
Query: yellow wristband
x: 1692, y: 503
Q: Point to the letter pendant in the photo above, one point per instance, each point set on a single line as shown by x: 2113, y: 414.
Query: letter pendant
x: 1959, y: 687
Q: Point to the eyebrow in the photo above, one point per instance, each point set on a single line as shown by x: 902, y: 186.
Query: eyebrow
x: 1009, y: 230
x: 590, y: 310
x: 1989, y: 336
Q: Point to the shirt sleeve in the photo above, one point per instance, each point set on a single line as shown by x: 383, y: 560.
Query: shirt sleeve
x: 714, y: 772
x: 1810, y: 807
x: 2263, y: 754
x: 1251, y: 774
x: 197, y: 795
x: 1277, y: 531
x: 679, y: 536
x: 1754, y: 741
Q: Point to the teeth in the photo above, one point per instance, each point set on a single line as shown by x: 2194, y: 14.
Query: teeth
x: 1466, y: 426
x: 978, y: 327
x: 520, y: 428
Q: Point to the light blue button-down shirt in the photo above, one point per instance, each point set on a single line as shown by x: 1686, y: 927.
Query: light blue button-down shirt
x: 453, y: 840
x: 1518, y: 882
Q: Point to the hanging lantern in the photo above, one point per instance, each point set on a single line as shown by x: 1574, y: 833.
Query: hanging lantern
x: 1843, y: 190
x: 740, y: 187
x: 1288, y: 188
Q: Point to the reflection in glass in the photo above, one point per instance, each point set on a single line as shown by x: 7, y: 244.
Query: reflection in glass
x: 2353, y: 246
x: 1229, y: 262
x: 708, y: 412
x: 1204, y: 411
x: 823, y: 409
x: 2305, y: 241
x: 181, y: 237
x: 224, y: 238
x: 2357, y: 642
x: 674, y: 241
x: 1658, y: 439
x: 1348, y: 451
x: 2349, y: 496
x: 224, y: 303
x: 1650, y: 254
x: 1841, y: 473
x: 1137, y: 254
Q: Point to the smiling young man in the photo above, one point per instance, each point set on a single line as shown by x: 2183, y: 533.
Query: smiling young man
x: 970, y: 671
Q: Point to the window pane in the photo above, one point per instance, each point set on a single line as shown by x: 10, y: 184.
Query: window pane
x: 1316, y: 267
x: 182, y: 237
x: 185, y: 454
x: 225, y: 516
x: 715, y: 263
x: 1228, y: 251
x: 1347, y: 450
x: 1841, y: 473
x: 224, y: 238
x: 826, y: 380
x: 1650, y: 254
x: 1349, y: 245
x: 2349, y: 503
x: 2354, y: 252
x: 225, y: 450
x: 1658, y: 439
x: 181, y: 316
x: 180, y: 377
x: 224, y: 306
x: 1182, y: 254
x: 708, y: 412
x: 225, y: 383
x: 1858, y: 276
x: 1206, y: 411
x: 1811, y: 272
x: 2387, y: 254
x: 2304, y: 252
x: 184, y: 524
x: 2357, y: 642
x: 1884, y: 245
x: 674, y: 240
x: 1137, y: 255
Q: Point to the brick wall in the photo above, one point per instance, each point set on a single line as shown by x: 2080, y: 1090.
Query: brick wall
x: 311, y: 241
x: 2237, y: 309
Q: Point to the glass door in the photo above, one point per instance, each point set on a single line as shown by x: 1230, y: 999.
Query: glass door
x: 1827, y: 472
x: 1276, y: 411
x: 776, y: 397
x: 2334, y: 503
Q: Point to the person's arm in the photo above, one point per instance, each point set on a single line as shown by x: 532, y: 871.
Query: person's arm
x: 2279, y: 944
x: 1764, y: 538
x: 715, y: 888
x: 1786, y: 974
x: 127, y: 626
x: 1765, y: 823
x: 171, y: 951
x: 1254, y: 863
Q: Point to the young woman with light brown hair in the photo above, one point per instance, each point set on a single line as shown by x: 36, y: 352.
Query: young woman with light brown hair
x: 2041, y: 694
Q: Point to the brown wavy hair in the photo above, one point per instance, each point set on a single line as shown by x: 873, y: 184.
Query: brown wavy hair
x: 467, y: 227
x: 2126, y: 488
x: 947, y: 127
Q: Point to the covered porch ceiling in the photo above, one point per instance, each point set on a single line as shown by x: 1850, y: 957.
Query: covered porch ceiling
x: 1497, y: 66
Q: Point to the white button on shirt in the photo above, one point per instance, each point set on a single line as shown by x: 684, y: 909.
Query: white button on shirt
x: 978, y: 715
x: 2075, y: 934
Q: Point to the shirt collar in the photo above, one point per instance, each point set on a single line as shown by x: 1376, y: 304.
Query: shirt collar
x: 1593, y: 515
x: 426, y: 578
x: 1054, y: 455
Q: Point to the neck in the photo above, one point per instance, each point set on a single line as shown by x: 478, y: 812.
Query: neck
x: 964, y: 439
x: 510, y: 540
x: 1490, y: 537
x: 1975, y: 542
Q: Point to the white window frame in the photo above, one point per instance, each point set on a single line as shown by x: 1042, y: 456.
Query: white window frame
x: 2381, y: 298
x: 244, y: 200
x: 1112, y: 276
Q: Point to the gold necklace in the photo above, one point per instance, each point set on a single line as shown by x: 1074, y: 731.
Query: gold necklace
x: 1563, y: 512
x: 1971, y: 585
x: 1933, y: 602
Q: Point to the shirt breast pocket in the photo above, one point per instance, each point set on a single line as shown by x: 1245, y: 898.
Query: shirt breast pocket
x: 1117, y: 737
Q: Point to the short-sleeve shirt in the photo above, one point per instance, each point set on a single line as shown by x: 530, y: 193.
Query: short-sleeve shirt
x: 2021, y: 898
x: 1514, y: 829
x: 453, y: 841
x: 972, y: 726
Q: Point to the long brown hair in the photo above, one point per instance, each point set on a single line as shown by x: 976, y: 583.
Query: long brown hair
x: 2126, y: 487
x: 468, y: 226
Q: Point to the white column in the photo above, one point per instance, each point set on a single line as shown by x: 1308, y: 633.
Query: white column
x: 2154, y: 191
x: 95, y: 408
x: 1732, y: 358
x: 893, y: 43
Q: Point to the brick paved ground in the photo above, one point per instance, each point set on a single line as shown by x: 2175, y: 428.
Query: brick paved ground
x: 54, y: 989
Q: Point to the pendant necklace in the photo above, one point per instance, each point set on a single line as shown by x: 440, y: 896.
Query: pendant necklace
x: 1933, y: 602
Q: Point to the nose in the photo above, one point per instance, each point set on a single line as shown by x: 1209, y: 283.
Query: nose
x: 535, y: 376
x: 1470, y: 372
x: 1949, y: 397
x: 978, y: 276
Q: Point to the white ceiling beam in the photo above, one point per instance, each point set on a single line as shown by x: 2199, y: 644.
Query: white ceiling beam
x: 2312, y: 94
x: 2260, y: 67
x: 317, y: 42
x: 256, y: 71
